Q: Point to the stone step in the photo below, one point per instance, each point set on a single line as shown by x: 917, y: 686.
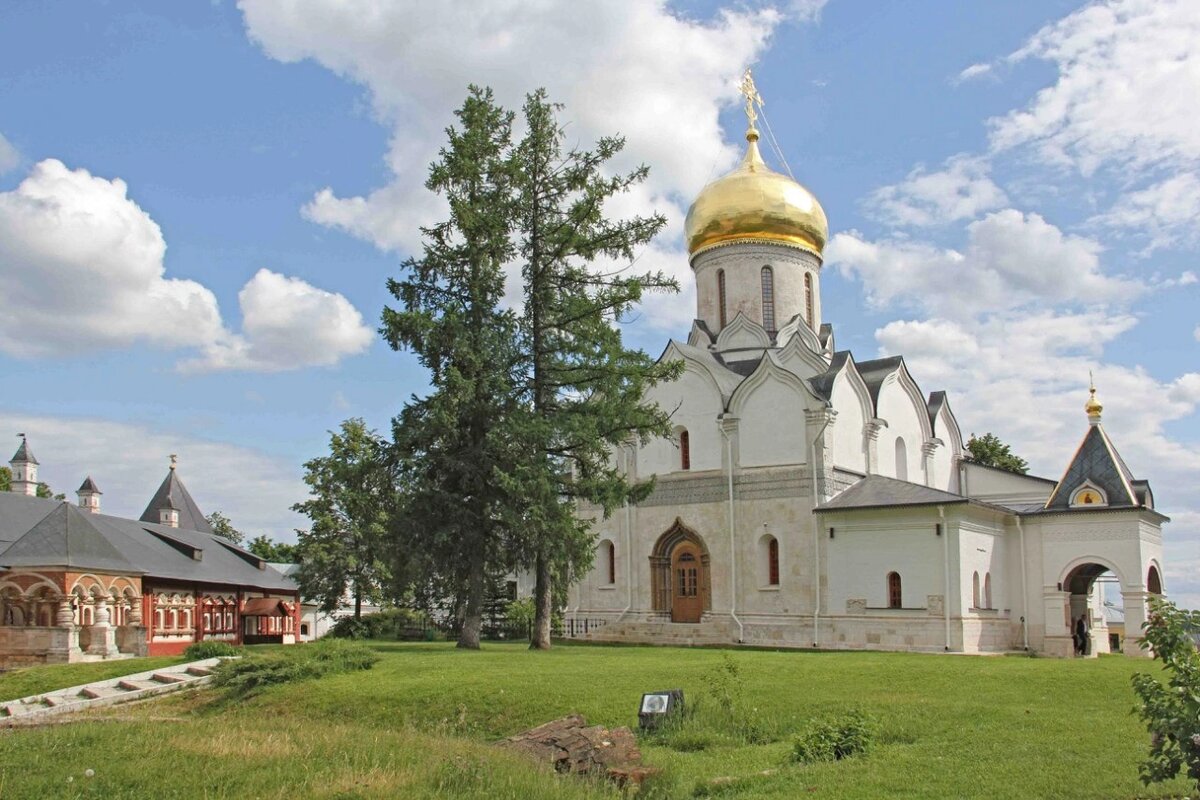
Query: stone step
x: 136, y: 686
x: 164, y: 677
x: 199, y: 672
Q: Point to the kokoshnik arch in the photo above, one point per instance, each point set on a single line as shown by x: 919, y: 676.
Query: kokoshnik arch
x: 808, y: 499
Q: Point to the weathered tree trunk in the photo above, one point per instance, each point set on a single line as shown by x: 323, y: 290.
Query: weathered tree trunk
x: 543, y: 599
x: 468, y: 638
x: 357, y: 603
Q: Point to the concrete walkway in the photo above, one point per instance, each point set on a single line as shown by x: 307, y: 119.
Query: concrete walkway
x: 107, y: 692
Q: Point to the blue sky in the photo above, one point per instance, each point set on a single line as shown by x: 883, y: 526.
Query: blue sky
x: 1012, y: 187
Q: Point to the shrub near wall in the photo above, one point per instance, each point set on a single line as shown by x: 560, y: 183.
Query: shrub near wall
x: 392, y: 623
x: 255, y: 672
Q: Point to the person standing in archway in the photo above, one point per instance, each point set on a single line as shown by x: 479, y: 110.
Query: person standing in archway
x: 1081, y: 635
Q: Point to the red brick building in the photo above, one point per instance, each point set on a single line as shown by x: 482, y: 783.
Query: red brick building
x: 78, y: 585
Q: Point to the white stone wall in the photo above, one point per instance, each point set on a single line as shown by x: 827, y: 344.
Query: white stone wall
x: 849, y: 450
x: 743, y: 289
x: 897, y: 408
x: 869, y: 545
x: 771, y: 427
x: 694, y: 403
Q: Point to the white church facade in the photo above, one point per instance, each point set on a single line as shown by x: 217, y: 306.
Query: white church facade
x: 807, y: 499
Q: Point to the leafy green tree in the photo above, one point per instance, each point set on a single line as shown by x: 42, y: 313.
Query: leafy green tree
x: 223, y: 527
x: 991, y: 452
x: 43, y: 489
x: 1171, y: 709
x: 352, y: 492
x: 268, y: 549
x: 451, y: 445
x: 582, y: 389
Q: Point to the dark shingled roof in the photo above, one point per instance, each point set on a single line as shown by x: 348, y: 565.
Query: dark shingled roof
x: 825, y: 334
x: 934, y: 406
x: 173, y: 494
x: 89, y: 485
x: 1096, y: 461
x: 873, y: 373
x: 156, y: 551
x: 68, y: 538
x: 876, y: 491
x: 822, y: 384
x: 24, y: 453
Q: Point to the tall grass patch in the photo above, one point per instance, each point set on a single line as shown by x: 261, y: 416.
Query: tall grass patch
x: 255, y: 672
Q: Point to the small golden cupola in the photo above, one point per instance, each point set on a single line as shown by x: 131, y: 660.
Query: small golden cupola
x: 1093, y: 406
x: 755, y: 203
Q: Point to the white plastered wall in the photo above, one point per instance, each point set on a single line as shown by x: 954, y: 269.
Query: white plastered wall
x: 743, y: 265
x: 897, y: 409
x: 771, y: 427
x: 847, y: 430
x: 694, y: 403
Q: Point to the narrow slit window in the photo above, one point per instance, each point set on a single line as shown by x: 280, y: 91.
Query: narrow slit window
x: 895, y: 596
x: 685, y: 450
x: 808, y: 300
x: 721, y: 295
x: 773, y: 562
x: 768, y: 299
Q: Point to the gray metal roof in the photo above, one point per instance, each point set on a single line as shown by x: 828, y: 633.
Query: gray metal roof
x: 873, y: 373
x: 822, y: 385
x: 1096, y: 461
x: 24, y: 454
x: 67, y: 538
x: 89, y: 485
x: 173, y: 494
x: 145, y: 547
x: 876, y: 491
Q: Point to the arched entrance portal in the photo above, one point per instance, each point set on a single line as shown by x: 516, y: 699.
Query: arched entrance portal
x: 679, y: 579
x: 1087, y: 586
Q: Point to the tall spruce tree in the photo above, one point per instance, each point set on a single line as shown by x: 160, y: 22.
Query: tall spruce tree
x: 583, y: 390
x: 451, y: 444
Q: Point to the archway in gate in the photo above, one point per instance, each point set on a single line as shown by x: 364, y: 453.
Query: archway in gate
x: 1092, y: 588
x: 679, y: 574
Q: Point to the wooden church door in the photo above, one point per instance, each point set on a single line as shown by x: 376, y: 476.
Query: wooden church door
x: 687, y: 601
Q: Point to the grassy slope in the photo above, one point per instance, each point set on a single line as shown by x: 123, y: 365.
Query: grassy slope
x: 418, y: 723
x: 23, y: 682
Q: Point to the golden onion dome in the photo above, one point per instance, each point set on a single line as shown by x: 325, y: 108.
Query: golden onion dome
x: 755, y: 203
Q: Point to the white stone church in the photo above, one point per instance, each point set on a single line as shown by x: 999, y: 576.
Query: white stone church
x: 807, y: 499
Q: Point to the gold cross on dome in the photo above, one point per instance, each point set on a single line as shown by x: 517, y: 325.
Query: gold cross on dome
x: 750, y: 92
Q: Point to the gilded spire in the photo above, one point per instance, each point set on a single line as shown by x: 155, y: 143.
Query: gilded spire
x: 1093, y: 407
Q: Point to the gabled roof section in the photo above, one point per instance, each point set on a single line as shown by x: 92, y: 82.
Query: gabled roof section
x: 874, y: 372
x: 936, y: 401
x: 67, y: 538
x: 703, y: 359
x: 173, y: 494
x: 24, y: 453
x: 1096, y: 462
x: 823, y: 384
x: 825, y: 335
x: 700, y: 335
x: 89, y: 485
x: 876, y: 491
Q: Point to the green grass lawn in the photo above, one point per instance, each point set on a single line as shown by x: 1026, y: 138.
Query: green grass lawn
x: 421, y: 722
x: 20, y: 683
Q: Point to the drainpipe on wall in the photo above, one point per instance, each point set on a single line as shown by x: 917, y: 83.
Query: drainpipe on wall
x: 629, y: 558
x: 945, y: 572
x: 812, y: 471
x: 1024, y: 590
x: 732, y: 544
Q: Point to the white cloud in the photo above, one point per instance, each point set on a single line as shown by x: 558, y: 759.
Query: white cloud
x: 962, y: 189
x: 82, y: 269
x: 257, y: 496
x: 973, y: 71
x: 10, y: 159
x: 1011, y: 260
x: 1165, y: 213
x: 1124, y: 69
x: 631, y: 68
x: 288, y: 324
x: 805, y: 10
